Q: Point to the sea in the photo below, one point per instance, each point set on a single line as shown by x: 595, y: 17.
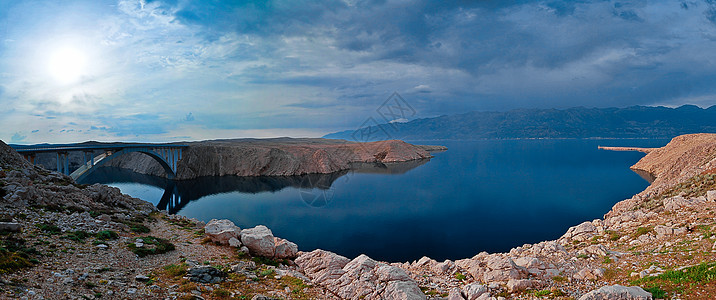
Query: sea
x: 487, y: 195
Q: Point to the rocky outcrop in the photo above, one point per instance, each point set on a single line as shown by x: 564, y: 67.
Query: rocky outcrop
x: 617, y: 292
x: 683, y: 157
x: 276, y: 157
x: 26, y: 185
x: 360, y: 278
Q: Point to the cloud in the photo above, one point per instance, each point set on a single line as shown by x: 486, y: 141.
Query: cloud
x: 240, y: 66
x: 17, y: 137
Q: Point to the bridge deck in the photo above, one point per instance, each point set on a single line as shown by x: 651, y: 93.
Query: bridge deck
x: 63, y: 148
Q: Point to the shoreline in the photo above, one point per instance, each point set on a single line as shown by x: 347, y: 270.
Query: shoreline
x: 637, y: 149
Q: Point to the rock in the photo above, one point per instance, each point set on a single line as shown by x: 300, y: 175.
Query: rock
x: 234, y: 242
x: 262, y: 297
x: 10, y: 226
x: 360, y: 278
x: 617, y: 292
x: 259, y: 240
x: 455, y: 294
x: 402, y: 290
x: 321, y: 265
x: 131, y: 290
x: 517, y: 285
x: 711, y: 196
x: 243, y: 266
x: 589, y: 274
x: 502, y: 269
x: 206, y: 274
x: 141, y: 278
x: 677, y: 202
x: 581, y: 232
x: 598, y: 250
x: 528, y: 262
x: 443, y: 267
x: 284, y: 248
x: 473, y: 290
x: 222, y: 231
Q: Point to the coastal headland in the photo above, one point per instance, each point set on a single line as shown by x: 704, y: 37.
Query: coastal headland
x: 66, y: 240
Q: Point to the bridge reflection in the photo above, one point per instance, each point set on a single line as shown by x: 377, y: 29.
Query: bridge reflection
x: 178, y: 193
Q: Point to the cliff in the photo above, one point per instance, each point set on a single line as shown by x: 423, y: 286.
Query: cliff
x: 276, y: 157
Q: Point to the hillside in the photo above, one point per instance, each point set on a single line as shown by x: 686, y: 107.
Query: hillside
x: 578, y: 122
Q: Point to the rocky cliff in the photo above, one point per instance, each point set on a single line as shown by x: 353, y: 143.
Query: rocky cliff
x: 276, y: 157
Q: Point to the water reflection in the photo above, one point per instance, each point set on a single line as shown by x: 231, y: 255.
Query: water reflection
x: 314, y: 189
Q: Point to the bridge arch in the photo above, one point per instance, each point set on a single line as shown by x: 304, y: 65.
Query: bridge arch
x: 84, y: 171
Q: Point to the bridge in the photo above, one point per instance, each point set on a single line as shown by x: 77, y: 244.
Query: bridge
x: 167, y: 155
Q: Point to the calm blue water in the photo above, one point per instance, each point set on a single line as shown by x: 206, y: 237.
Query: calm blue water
x: 477, y: 196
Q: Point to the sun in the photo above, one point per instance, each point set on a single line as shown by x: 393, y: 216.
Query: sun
x: 67, y: 65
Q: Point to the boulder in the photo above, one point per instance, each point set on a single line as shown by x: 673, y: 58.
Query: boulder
x: 617, y: 292
x: 360, y: 278
x: 234, y: 242
x: 443, y: 267
x: 222, y: 231
x: 10, y: 226
x: 321, y: 265
x: 581, y: 232
x: 589, y: 274
x: 284, y: 248
x: 598, y: 250
x: 455, y: 294
x: 473, y: 291
x: 518, y: 285
x: 259, y: 240
x: 711, y: 196
x: 206, y: 274
x: 502, y: 269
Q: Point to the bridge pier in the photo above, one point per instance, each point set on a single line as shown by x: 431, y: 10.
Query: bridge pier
x: 63, y: 162
x: 30, y: 157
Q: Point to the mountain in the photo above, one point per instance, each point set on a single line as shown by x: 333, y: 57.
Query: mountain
x: 577, y: 122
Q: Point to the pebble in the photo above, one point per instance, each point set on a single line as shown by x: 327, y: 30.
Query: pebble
x: 141, y: 278
x: 131, y: 290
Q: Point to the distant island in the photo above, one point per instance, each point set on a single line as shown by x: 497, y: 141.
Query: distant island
x: 577, y: 122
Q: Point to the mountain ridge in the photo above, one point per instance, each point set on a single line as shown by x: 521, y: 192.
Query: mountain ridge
x: 575, y: 122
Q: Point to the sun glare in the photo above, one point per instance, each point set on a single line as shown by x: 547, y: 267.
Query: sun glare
x: 67, y: 65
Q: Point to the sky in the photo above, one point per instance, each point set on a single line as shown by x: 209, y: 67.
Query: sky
x: 170, y: 70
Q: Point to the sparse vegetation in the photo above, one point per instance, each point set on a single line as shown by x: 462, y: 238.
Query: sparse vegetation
x: 107, y: 235
x: 460, y: 276
x: 175, y: 270
x: 49, y: 228
x: 77, y: 236
x: 152, y: 245
x: 643, y: 230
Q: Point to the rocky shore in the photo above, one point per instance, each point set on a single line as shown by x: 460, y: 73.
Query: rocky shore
x: 277, y: 157
x: 62, y: 240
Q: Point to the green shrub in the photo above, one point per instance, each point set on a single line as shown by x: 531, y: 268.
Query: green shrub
x: 107, y: 235
x: 12, y: 261
x: 77, y: 236
x: 152, y: 245
x: 49, y: 228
